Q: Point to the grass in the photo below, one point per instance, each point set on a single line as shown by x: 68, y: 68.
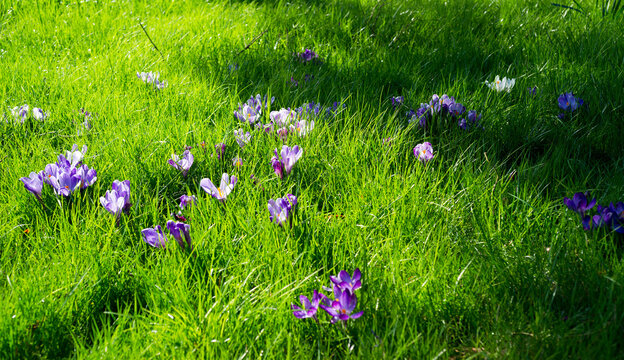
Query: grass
x: 473, y: 255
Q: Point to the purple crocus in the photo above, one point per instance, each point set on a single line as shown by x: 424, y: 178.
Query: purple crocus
x: 347, y: 283
x: 238, y: 162
x: 113, y: 202
x: 472, y: 120
x: 396, y: 101
x: 281, y: 208
x: 612, y: 215
x: 68, y: 181
x: 579, y: 203
x: 309, y: 308
x: 39, y: 114
x: 568, y: 102
x: 34, y: 183
x: 251, y: 111
x: 283, y: 117
x: 307, y: 55
x: 219, y: 193
x: 181, y: 232
x: 456, y: 109
x: 123, y: 190
x: 220, y: 149
x: 424, y: 152
x: 154, y: 237
x: 289, y: 157
x: 183, y: 164
x: 242, y: 138
x: 20, y: 113
x: 87, y: 176
x: 342, y: 307
x: 152, y: 79
x: 186, y: 200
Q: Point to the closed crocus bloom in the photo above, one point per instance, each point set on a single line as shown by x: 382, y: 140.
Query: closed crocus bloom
x: 242, y: 138
x: 75, y: 156
x: 278, y: 167
x: 68, y: 182
x: 186, y: 200
x: 220, y: 149
x: 39, y: 114
x: 113, y: 202
x: 181, y: 232
x: 34, y: 183
x: 290, y: 157
x: 154, y: 237
x: 424, y: 152
x: 87, y: 176
x: 123, y: 189
x: 20, y: 113
x: 183, y: 164
x: 456, y: 109
x: 220, y: 193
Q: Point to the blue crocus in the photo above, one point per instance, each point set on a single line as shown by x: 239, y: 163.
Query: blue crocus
x: 579, y: 203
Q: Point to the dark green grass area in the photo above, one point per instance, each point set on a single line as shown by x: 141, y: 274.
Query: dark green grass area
x: 473, y: 255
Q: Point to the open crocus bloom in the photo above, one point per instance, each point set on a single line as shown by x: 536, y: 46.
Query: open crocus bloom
x: 113, y: 202
x: 183, y: 164
x: 568, y: 102
x: 309, y: 308
x: 579, y: 203
x: 289, y: 158
x: 346, y: 282
x: 220, y: 193
x: 501, y: 85
x: 424, y: 152
x: 342, y: 307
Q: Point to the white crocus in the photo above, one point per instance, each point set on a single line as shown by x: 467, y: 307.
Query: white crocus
x: 503, y: 84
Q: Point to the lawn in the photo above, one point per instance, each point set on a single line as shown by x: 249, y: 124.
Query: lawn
x: 466, y: 250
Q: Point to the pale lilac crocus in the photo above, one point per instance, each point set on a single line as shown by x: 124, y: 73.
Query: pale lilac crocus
x: 424, y: 152
x: 39, y: 114
x: 289, y: 157
x: 283, y: 117
x: 281, y: 208
x: 342, y: 308
x: 242, y: 138
x: 123, y: 190
x: 220, y: 193
x: 113, y: 202
x: 152, y: 79
x: 238, y: 162
x: 75, y: 156
x: 308, y: 308
x: 181, y: 233
x: 184, y: 163
x: 34, y: 183
x: 87, y: 176
x: 154, y: 237
x: 20, y: 113
x: 347, y: 283
x: 186, y: 200
x: 68, y: 181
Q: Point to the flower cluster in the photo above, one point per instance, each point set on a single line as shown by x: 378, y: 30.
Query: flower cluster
x: 65, y: 176
x: 611, y: 216
x: 180, y: 231
x: 343, y: 305
x: 501, y: 85
x: 289, y: 157
x: 21, y: 113
x: 396, y: 101
x: 568, y: 103
x: 444, y: 107
x: 152, y: 79
x: 117, y: 200
x: 308, y: 56
x: 183, y: 164
x: 281, y: 209
x: 251, y: 111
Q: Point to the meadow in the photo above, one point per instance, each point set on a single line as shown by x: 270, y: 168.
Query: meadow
x: 467, y: 250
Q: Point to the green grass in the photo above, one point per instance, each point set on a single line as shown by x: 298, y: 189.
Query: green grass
x: 473, y: 255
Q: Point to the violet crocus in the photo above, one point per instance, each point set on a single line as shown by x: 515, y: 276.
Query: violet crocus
x: 181, y: 233
x: 68, y: 181
x: 342, y: 308
x: 220, y: 193
x: 612, y: 215
x: 237, y: 162
x: 347, y: 283
x: 579, y: 203
x: 472, y: 120
x: 568, y: 102
x: 186, y: 200
x: 307, y: 55
x: 154, y: 237
x: 152, y: 79
x: 123, y: 190
x: 281, y: 208
x: 396, y: 101
x: 283, y: 117
x: 184, y: 163
x: 308, y: 308
x: 242, y: 138
x: 456, y: 109
x: 87, y: 176
x: 113, y: 202
x: 220, y: 149
x: 20, y: 113
x: 74, y: 157
x: 424, y: 152
x: 289, y: 157
x: 34, y: 183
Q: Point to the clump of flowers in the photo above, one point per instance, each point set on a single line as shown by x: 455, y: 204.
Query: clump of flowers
x: 344, y: 303
x: 424, y: 152
x: 182, y: 163
x: 117, y: 200
x: 308, y: 56
x: 21, y: 113
x: 471, y: 120
x: 151, y: 78
x: 220, y: 193
x: 289, y: 157
x: 609, y: 216
x: 501, y: 85
x: 569, y: 103
x: 242, y: 138
x: 396, y: 101
x: 441, y: 109
x: 65, y: 176
x: 251, y: 111
x: 281, y: 209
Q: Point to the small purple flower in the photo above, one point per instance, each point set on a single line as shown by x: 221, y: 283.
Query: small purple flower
x: 281, y: 208
x: 579, y: 203
x: 87, y: 176
x: 472, y: 120
x: 220, y: 149
x: 347, y: 283
x: 179, y: 230
x: 152, y: 79
x: 446, y: 102
x: 219, y: 193
x: 424, y: 152
x: 342, y: 307
x: 113, y: 202
x: 532, y: 91
x: 283, y: 117
x: 154, y: 237
x: 123, y: 190
x: 396, y: 101
x: 39, y: 114
x: 568, y: 102
x: 183, y: 164
x: 289, y: 158
x: 612, y: 215
x: 34, y: 183
x: 251, y: 111
x: 308, y: 77
x: 20, y: 113
x: 309, y: 308
x: 68, y: 181
x: 242, y: 138
x: 186, y: 200
x: 237, y: 162
x: 307, y: 56
x: 456, y: 109
x: 293, y: 82
x: 73, y: 157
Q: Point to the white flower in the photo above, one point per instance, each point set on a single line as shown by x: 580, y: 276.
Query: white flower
x: 152, y: 78
x: 500, y: 85
x: 39, y: 114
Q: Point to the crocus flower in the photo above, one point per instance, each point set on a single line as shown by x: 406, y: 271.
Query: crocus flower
x: 242, y: 138
x: 183, y: 164
x: 289, y: 158
x: 186, y: 200
x: 152, y: 78
x: 424, y: 152
x: 568, y: 102
x: 68, y: 181
x: 347, y: 283
x: 579, y: 203
x: 342, y: 307
x: 87, y: 117
x: 612, y: 215
x: 446, y: 102
x: 533, y: 90
x: 472, y: 120
x: 501, y: 85
x: 123, y: 190
x: 34, y: 183
x: 113, y: 202
x: 154, y: 237
x: 456, y: 109
x: 39, y: 114
x: 219, y: 193
x: 220, y: 149
x: 251, y: 111
x: 179, y: 230
x: 283, y: 117
x: 293, y: 82
x: 281, y: 208
x: 20, y: 113
x: 87, y: 176
x: 309, y: 308
x: 238, y: 162
x: 396, y: 101
x: 74, y: 157
x: 307, y: 56
x: 302, y: 127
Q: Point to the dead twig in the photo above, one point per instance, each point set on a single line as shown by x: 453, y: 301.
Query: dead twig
x: 150, y: 39
x: 251, y: 43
